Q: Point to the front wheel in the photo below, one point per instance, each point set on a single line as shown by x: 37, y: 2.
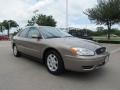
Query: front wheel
x: 54, y: 62
x: 16, y: 53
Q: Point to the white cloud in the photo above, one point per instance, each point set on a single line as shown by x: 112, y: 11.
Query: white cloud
x: 14, y: 9
x: 57, y: 9
x: 22, y: 10
x: 40, y: 4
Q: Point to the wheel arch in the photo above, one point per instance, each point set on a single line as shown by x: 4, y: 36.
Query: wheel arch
x: 48, y: 49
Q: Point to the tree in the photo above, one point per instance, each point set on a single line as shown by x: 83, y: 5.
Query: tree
x: 9, y: 24
x: 32, y: 21
x: 42, y: 20
x: 100, y: 28
x: 1, y: 30
x: 107, y: 12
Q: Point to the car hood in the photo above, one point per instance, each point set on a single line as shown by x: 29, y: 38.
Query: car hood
x: 76, y: 42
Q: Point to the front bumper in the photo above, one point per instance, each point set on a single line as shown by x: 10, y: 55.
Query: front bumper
x: 85, y: 63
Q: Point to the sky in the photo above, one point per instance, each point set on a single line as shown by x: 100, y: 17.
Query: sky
x: 22, y: 10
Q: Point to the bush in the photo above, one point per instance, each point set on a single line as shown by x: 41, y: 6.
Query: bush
x: 108, y: 41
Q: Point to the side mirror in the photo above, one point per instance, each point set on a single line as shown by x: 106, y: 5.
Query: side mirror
x: 36, y: 37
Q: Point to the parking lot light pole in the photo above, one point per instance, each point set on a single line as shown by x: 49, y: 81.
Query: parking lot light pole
x: 8, y: 29
x: 35, y: 12
x: 67, y: 25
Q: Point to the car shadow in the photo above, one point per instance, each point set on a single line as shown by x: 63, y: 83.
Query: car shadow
x: 86, y: 76
x: 32, y: 59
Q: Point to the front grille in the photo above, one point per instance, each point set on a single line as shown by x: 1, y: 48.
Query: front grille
x: 101, y: 50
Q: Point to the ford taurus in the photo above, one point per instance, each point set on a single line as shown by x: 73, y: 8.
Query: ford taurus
x: 59, y: 50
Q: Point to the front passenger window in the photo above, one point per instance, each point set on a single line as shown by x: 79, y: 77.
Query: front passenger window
x: 33, y: 32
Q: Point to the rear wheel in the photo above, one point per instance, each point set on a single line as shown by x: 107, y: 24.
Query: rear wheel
x: 16, y: 53
x: 54, y: 62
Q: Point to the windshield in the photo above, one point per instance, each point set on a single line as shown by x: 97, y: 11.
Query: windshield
x: 50, y: 32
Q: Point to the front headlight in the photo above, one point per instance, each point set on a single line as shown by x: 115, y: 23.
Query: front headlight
x: 82, y: 51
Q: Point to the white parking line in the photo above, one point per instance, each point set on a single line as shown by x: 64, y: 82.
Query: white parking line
x: 114, y: 51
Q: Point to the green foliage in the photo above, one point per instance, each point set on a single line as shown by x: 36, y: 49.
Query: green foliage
x: 32, y: 21
x: 108, y: 41
x: 42, y: 20
x: 88, y: 31
x: 1, y: 30
x: 7, y: 24
x: 107, y: 12
x: 102, y: 32
x: 100, y: 28
x: 115, y: 31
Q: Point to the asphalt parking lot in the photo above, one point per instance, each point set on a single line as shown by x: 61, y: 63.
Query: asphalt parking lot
x: 27, y: 74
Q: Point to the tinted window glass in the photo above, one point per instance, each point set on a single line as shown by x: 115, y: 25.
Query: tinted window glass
x: 32, y: 32
x: 23, y: 33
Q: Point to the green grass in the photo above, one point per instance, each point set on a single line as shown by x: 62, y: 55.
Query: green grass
x: 105, y: 38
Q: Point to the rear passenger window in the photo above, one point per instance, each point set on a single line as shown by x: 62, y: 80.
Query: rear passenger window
x: 23, y: 33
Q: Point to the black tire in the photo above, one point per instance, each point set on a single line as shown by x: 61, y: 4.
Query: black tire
x: 60, y: 70
x: 16, y: 53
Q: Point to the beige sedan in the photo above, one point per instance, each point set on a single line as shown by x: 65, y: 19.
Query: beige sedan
x: 59, y: 50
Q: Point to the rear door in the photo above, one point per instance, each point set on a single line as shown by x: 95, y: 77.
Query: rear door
x: 33, y: 44
x: 21, y: 41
